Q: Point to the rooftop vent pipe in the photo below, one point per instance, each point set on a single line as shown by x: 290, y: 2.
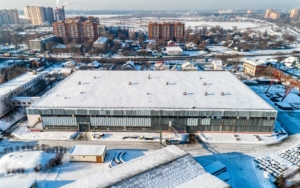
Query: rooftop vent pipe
x: 79, y: 83
x: 204, y: 83
x: 184, y: 93
x: 167, y: 83
x: 129, y: 83
x: 205, y: 93
x: 149, y: 76
x: 222, y: 93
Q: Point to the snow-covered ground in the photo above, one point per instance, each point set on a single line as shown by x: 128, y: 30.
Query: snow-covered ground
x: 225, y: 50
x: 242, y: 138
x: 11, y: 119
x: 23, y: 159
x: 119, y: 136
x: 24, y: 133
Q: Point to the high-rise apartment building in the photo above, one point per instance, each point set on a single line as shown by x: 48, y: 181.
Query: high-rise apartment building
x: 166, y: 31
x: 9, y: 17
x: 294, y: 13
x: 60, y: 14
x: 76, y: 30
x: 268, y: 12
x: 38, y: 15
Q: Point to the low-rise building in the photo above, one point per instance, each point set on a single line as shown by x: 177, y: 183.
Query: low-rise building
x: 27, y: 84
x: 217, y: 64
x: 88, y: 153
x: 174, y: 50
x: 254, y: 68
x: 40, y: 43
x: 101, y: 43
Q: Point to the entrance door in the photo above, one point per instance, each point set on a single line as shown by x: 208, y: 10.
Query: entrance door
x: 99, y: 159
x: 84, y: 127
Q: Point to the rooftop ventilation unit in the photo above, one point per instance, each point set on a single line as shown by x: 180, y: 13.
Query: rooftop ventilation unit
x: 167, y: 83
x: 204, y: 83
x: 149, y: 76
x: 222, y: 93
x: 79, y: 83
x: 205, y: 93
x: 129, y: 83
x: 184, y: 93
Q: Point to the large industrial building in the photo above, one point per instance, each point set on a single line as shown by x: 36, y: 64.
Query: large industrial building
x: 149, y: 101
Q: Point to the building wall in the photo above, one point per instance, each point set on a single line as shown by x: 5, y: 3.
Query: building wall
x: 294, y: 13
x: 33, y: 120
x: 253, y: 70
x: 81, y: 158
x: 9, y: 17
x: 28, y: 89
x: 166, y: 31
x: 188, y: 121
x: 85, y: 158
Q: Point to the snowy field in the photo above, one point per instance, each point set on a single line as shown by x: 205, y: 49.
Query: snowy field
x: 225, y: 50
x: 61, y: 175
x: 224, y: 25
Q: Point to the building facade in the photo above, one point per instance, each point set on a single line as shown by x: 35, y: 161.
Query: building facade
x: 8, y: 17
x: 294, y: 13
x: 254, y: 68
x: 76, y: 30
x: 166, y: 30
x: 36, y: 15
x: 60, y: 14
x: 40, y: 43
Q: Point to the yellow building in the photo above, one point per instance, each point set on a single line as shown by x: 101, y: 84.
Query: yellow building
x: 254, y: 68
x: 88, y: 153
x: 294, y: 13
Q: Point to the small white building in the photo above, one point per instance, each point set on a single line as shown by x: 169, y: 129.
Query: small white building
x: 174, y: 50
x: 217, y: 64
x: 101, y: 43
x: 188, y: 66
x: 88, y: 153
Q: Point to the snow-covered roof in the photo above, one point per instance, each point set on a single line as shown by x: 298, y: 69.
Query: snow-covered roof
x: 217, y: 62
x: 176, y: 165
x: 17, y: 82
x: 206, y: 180
x: 94, y: 150
x: 101, y: 40
x: 255, y: 63
x: 173, y: 48
x: 16, y: 182
x: 106, y: 90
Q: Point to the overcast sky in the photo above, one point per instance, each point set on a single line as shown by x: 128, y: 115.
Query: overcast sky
x: 156, y: 4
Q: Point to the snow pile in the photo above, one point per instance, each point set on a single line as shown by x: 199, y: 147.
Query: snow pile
x: 25, y: 133
x: 27, y: 160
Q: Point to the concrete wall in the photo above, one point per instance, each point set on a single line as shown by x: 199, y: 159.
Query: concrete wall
x: 33, y: 120
x: 82, y: 158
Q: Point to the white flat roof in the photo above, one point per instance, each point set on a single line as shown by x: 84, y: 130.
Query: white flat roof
x: 255, y: 63
x: 173, y: 48
x: 17, y: 82
x: 94, y: 150
x: 111, y: 89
